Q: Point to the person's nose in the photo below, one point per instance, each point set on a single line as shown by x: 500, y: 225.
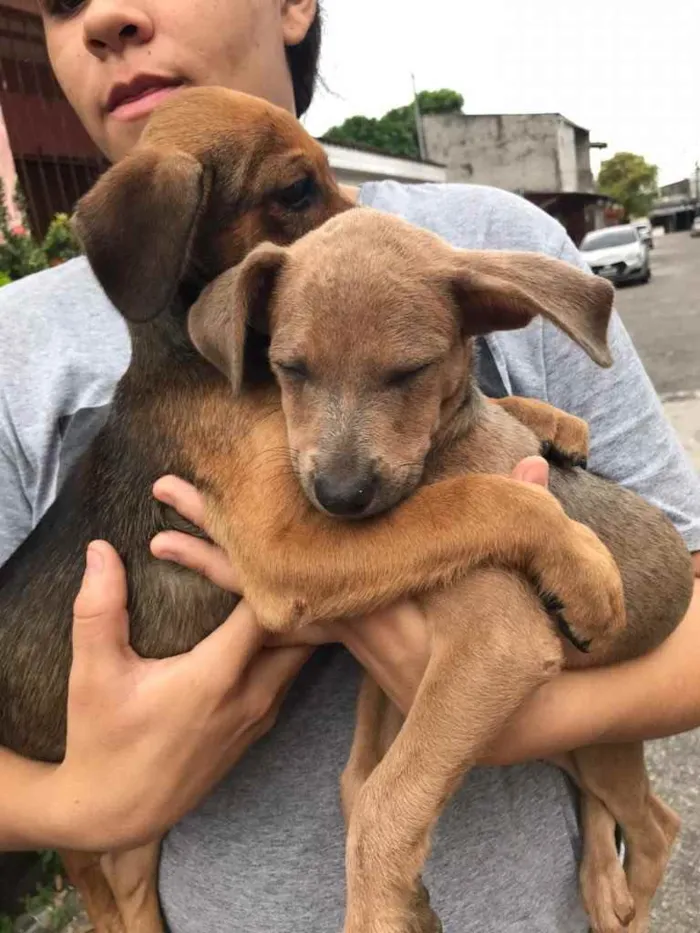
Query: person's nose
x: 111, y: 26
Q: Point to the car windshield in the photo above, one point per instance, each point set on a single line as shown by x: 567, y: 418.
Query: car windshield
x: 607, y: 238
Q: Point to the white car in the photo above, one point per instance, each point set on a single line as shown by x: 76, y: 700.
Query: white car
x: 646, y: 231
x: 617, y: 253
x: 695, y: 229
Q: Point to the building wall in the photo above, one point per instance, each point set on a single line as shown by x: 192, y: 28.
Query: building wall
x: 582, y: 144
x: 566, y: 151
x: 519, y: 152
x: 512, y: 151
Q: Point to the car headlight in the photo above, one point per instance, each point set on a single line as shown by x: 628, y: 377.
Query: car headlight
x: 633, y: 258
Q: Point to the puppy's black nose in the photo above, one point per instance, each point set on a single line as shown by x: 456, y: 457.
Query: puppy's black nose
x: 345, y: 495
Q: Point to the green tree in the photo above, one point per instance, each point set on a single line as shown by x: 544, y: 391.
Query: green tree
x: 395, y: 132
x: 631, y: 181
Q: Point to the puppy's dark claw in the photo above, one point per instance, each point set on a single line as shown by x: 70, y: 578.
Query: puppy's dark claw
x: 560, y: 457
x: 582, y: 645
x: 555, y: 608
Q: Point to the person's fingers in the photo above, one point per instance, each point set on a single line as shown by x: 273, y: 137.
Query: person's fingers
x: 228, y: 651
x: 100, y: 620
x: 183, y: 497
x: 532, y: 470
x: 202, y: 556
x: 313, y: 634
x: 271, y: 674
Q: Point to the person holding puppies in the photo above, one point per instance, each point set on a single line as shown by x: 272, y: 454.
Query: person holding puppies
x: 261, y: 846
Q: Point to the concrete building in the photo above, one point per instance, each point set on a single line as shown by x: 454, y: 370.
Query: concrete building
x: 677, y: 204
x: 543, y: 156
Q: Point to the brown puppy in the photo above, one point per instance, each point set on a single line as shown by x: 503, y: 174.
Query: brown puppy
x: 215, y: 173
x: 372, y: 324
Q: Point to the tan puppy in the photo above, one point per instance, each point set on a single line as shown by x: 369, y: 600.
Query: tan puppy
x: 371, y: 324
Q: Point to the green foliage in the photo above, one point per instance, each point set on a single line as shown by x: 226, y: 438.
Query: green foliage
x: 20, y: 254
x: 48, y: 900
x: 395, y: 132
x: 631, y: 181
x: 60, y: 243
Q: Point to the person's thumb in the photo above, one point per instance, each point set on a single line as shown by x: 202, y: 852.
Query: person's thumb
x: 100, y: 620
x: 532, y: 470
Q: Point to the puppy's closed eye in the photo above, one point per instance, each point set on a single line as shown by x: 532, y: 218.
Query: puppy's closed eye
x: 292, y: 369
x: 404, y: 377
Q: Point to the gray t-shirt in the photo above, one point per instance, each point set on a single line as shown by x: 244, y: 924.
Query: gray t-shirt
x: 265, y: 851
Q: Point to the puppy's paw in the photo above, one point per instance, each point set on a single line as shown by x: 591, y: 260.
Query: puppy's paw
x: 584, y: 587
x: 564, y: 438
x: 568, y: 444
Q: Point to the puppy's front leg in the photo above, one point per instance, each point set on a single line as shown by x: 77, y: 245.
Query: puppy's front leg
x: 559, y: 433
x: 493, y: 645
x: 298, y: 566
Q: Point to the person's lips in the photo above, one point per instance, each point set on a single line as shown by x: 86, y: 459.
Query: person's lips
x: 140, y: 96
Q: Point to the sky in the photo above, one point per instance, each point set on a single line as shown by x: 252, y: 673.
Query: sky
x: 627, y: 70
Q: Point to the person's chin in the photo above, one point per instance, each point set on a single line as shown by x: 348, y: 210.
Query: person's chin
x: 120, y: 138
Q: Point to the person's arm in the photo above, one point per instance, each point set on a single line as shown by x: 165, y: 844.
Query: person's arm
x: 170, y: 728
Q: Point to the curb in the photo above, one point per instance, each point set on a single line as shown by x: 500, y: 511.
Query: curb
x: 687, y: 396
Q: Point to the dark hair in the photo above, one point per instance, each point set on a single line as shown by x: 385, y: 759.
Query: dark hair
x: 302, y: 60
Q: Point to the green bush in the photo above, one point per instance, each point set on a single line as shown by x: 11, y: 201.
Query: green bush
x: 60, y: 243
x: 20, y: 254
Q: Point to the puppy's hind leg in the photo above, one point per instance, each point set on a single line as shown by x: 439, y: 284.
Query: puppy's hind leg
x: 133, y: 878
x: 493, y: 645
x: 604, y: 890
x: 377, y: 724
x: 85, y: 872
x: 617, y: 776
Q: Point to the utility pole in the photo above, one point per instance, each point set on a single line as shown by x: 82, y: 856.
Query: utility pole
x: 419, y: 122
x: 697, y: 187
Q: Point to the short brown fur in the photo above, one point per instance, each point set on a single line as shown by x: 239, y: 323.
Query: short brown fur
x: 211, y: 179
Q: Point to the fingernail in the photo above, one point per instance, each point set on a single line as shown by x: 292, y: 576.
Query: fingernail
x: 95, y: 561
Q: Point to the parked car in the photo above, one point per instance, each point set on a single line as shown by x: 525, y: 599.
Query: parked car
x: 695, y: 229
x: 617, y: 253
x: 646, y: 231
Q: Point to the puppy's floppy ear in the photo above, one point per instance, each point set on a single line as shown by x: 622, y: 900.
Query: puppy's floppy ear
x: 497, y: 290
x: 237, y: 299
x: 137, y: 225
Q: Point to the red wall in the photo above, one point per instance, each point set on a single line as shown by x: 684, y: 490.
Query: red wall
x: 40, y: 127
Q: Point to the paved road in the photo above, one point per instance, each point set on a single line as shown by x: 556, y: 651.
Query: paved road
x: 664, y: 316
x: 664, y: 320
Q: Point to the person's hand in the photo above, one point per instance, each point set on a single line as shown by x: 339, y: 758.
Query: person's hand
x: 147, y: 739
